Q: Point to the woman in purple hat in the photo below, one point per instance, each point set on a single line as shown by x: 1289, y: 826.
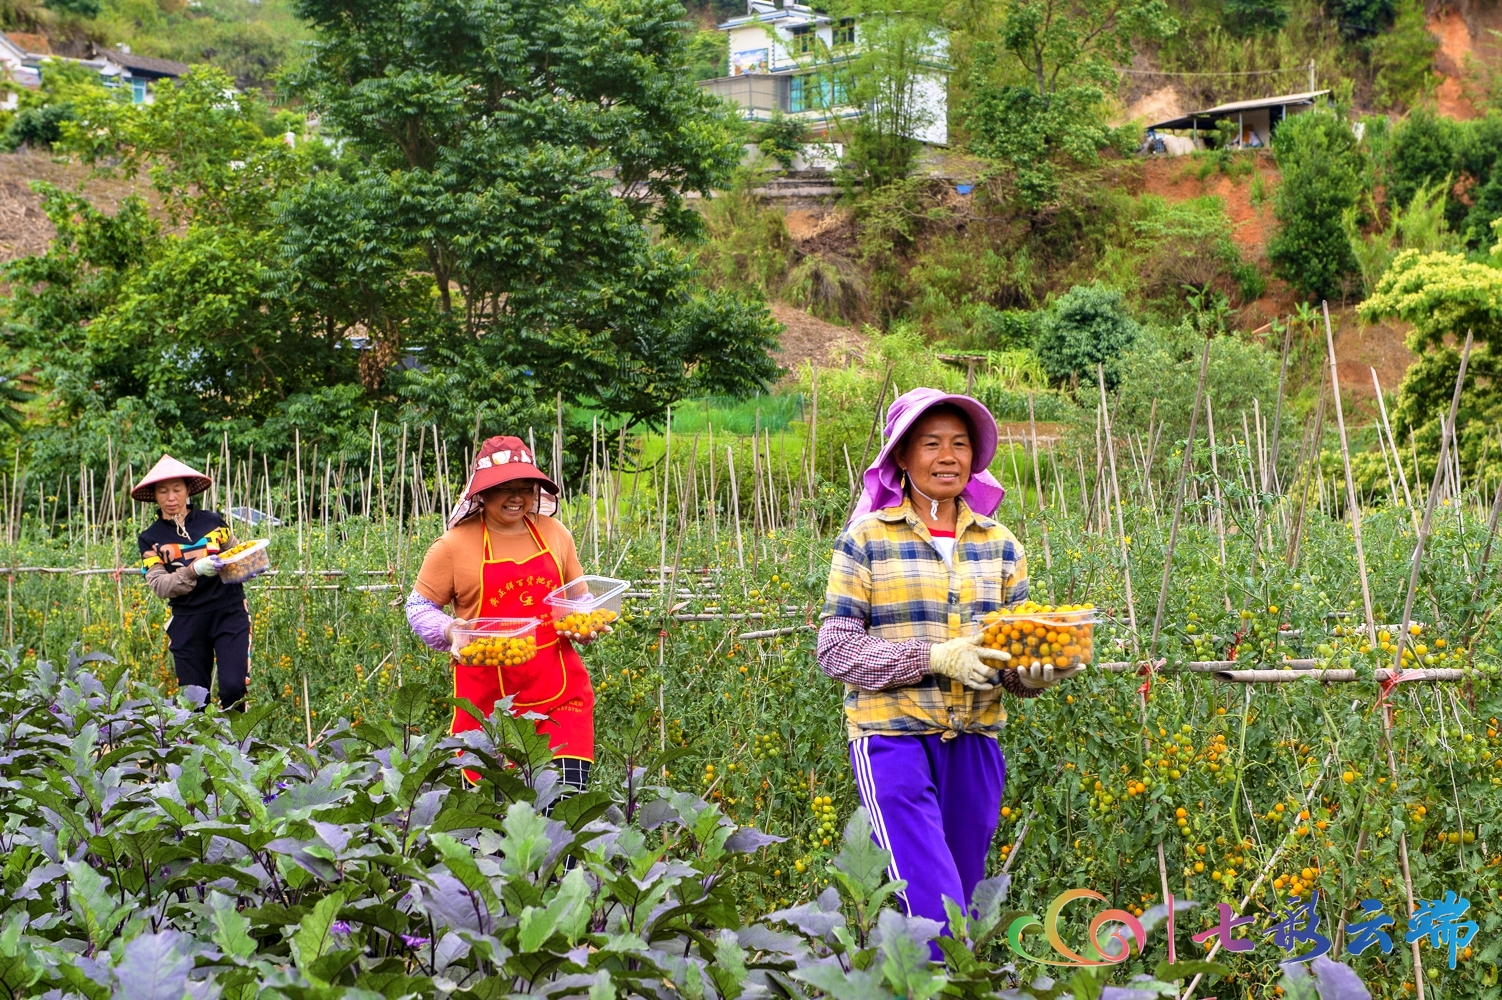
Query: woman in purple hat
x: 921, y: 558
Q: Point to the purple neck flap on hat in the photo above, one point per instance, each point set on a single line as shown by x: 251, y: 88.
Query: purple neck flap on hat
x: 882, y: 481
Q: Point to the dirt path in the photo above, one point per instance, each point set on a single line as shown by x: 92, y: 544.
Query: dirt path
x: 809, y: 338
x: 24, y: 230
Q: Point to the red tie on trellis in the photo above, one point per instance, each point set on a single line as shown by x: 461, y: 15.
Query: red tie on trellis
x: 1148, y: 669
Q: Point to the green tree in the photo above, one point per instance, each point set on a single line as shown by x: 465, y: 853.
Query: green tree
x: 708, y: 54
x: 1323, y: 178
x: 39, y: 116
x: 182, y: 327
x: 1032, y: 133
x: 1063, y: 42
x: 1360, y: 18
x: 1089, y: 325
x: 1039, y: 97
x: 1403, y: 57
x: 1444, y: 296
x: 1250, y: 17
x: 1424, y: 150
x: 515, y: 161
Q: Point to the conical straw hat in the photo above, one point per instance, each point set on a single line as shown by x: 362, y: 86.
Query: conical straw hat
x: 168, y: 467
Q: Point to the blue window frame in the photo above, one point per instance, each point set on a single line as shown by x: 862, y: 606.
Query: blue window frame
x: 810, y: 92
x: 138, y: 91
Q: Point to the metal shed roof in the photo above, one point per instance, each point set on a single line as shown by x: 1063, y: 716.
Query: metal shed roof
x: 1208, y: 117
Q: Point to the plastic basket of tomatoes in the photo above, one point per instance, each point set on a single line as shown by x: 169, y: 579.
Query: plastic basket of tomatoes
x: 495, y: 642
x: 584, y: 607
x: 1042, y: 633
x: 245, y: 561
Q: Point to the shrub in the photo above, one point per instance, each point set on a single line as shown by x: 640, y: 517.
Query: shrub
x: 1088, y: 326
x: 1006, y: 329
x: 1323, y: 177
x: 1250, y: 17
x: 155, y: 850
x: 1403, y: 57
x: 1360, y: 18
x: 1423, y: 151
x: 37, y: 127
x: 781, y: 138
x: 1160, y: 371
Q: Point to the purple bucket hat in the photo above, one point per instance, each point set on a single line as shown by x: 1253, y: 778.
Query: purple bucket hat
x: 883, y: 480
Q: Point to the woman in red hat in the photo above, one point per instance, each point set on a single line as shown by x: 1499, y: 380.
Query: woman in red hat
x: 209, y: 619
x: 499, y: 558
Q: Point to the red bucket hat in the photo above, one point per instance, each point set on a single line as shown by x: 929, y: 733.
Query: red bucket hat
x: 502, y: 459
x: 168, y: 467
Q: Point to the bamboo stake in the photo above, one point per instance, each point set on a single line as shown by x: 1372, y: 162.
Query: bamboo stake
x: 1219, y: 514
x: 735, y: 503
x: 1126, y: 563
x: 1032, y: 427
x: 1413, y: 581
x: 1352, y: 504
x: 1178, y: 503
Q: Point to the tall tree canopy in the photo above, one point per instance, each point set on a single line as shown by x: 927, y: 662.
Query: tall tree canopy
x: 516, y: 157
x: 1445, y: 296
x: 476, y: 224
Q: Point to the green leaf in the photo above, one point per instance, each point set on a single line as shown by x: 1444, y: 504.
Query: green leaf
x: 861, y: 862
x: 242, y: 724
x: 834, y: 982
x: 315, y: 935
x: 458, y: 859
x: 1185, y: 970
x: 232, y: 932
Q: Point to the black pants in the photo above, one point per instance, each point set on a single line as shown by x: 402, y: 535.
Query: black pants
x: 200, y: 638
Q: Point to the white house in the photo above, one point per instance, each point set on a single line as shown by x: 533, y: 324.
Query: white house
x: 781, y: 60
x: 117, y: 67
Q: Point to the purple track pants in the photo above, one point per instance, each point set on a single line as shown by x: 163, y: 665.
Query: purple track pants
x: 934, y: 803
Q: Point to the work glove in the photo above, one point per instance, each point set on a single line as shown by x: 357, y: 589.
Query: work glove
x: 206, y: 567
x: 963, y: 659
x: 448, y: 630
x: 1038, y: 676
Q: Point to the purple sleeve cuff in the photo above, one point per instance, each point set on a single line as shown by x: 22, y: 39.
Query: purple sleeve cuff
x: 848, y: 654
x: 427, y: 620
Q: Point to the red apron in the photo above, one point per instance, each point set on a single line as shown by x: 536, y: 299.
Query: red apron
x: 555, y: 682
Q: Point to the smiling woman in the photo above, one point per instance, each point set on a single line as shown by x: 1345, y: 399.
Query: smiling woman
x: 921, y: 558
x: 499, y: 559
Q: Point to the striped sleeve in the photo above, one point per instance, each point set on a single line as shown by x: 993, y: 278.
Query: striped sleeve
x: 846, y: 653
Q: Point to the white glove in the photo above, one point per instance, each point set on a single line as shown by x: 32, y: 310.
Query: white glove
x: 1045, y: 675
x: 206, y: 567
x: 963, y: 659
x: 448, y: 630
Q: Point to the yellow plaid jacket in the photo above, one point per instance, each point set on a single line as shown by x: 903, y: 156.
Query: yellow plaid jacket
x: 887, y: 573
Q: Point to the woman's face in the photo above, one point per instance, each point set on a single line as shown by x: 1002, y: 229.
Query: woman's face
x: 172, y: 497
x: 508, y: 503
x: 937, y: 455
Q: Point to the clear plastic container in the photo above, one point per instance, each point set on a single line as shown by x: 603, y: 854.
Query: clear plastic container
x: 585, y: 606
x: 244, y: 562
x: 1062, y: 638
x: 495, y: 642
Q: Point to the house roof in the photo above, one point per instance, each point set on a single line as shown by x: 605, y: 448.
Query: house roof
x: 1208, y: 117
x: 791, y: 15
x: 31, y: 44
x: 145, y: 65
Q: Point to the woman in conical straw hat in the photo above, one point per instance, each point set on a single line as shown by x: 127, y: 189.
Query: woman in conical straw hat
x: 922, y: 557
x: 209, y: 619
x: 501, y: 555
